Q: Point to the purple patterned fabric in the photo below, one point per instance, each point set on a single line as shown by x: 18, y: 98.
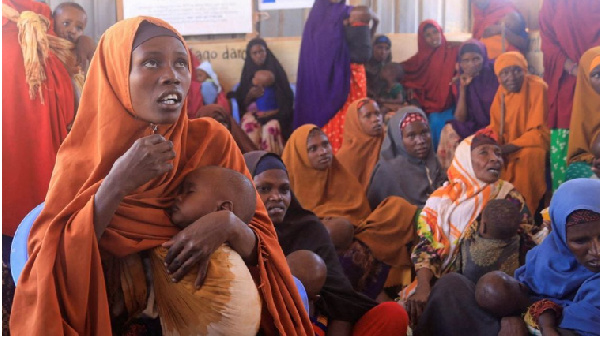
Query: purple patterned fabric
x: 324, y: 65
x: 480, y: 95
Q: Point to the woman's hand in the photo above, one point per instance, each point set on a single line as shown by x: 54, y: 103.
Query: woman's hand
x: 148, y: 158
x: 415, y: 304
x: 256, y: 91
x: 513, y: 326
x: 194, y: 245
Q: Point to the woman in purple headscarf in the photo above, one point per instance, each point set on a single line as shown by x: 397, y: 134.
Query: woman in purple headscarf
x: 329, y: 77
x: 476, y: 88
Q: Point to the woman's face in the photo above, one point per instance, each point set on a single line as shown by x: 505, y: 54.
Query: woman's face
x: 159, y: 80
x: 273, y: 186
x: 258, y: 54
x: 595, y: 79
x: 471, y: 63
x: 487, y: 163
x: 371, y: 119
x: 381, y: 52
x: 512, y: 78
x: 583, y: 241
x: 320, y: 154
x: 432, y: 36
x: 416, y: 138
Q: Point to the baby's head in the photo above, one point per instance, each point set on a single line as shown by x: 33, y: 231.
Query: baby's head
x: 70, y: 20
x: 264, y: 78
x: 500, y: 219
x: 360, y: 14
x: 392, y: 73
x: 201, y: 75
x: 310, y: 269
x: 501, y: 294
x: 211, y: 189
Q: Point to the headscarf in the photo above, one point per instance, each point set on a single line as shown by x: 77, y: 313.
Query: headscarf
x: 62, y: 287
x: 567, y: 30
x: 195, y: 100
x: 507, y: 59
x: 301, y: 229
x: 359, y: 152
x: 430, y: 71
x: 241, y: 138
x: 333, y: 192
x: 451, y: 209
x: 585, y: 120
x: 283, y: 91
x: 206, y: 66
x: 552, y: 271
x: 324, y: 65
x: 480, y: 93
x: 399, y: 174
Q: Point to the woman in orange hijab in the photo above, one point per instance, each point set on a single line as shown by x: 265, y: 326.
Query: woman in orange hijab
x: 331, y: 192
x: 525, y: 141
x: 363, y: 135
x: 116, y: 175
x: 584, y: 140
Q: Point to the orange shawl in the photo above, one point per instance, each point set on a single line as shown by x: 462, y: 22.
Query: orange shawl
x: 62, y: 287
x: 359, y: 152
x: 492, y: 15
x: 334, y: 192
x: 525, y: 126
x: 585, y: 120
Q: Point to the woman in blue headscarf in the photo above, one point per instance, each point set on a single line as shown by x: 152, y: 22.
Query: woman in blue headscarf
x: 563, y: 272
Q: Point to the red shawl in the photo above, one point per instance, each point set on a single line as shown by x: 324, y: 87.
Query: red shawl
x: 430, y: 71
x: 567, y: 29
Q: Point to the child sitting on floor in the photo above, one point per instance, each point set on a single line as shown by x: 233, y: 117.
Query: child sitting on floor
x: 228, y: 303
x: 496, y: 245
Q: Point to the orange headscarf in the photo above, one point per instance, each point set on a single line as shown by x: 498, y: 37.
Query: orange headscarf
x: 62, y: 287
x: 359, y: 152
x: 585, y: 120
x: 333, y: 192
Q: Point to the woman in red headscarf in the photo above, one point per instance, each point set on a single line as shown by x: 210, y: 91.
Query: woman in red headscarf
x: 429, y: 74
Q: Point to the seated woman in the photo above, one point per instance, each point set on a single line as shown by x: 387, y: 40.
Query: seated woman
x: 341, y: 309
x: 381, y: 56
x: 218, y: 113
x: 260, y: 57
x: 477, y: 87
x: 407, y: 165
x: 116, y: 176
x: 525, y: 140
x: 561, y: 276
x: 428, y: 74
x: 488, y: 16
x: 367, y: 239
x: 363, y: 135
x: 452, y: 215
x: 585, y: 121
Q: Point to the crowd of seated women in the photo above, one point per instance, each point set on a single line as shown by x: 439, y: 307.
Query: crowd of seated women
x: 383, y: 199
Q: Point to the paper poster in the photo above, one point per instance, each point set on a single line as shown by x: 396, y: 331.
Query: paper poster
x: 196, y: 17
x: 268, y: 5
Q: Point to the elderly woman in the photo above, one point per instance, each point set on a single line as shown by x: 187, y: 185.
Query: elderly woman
x: 407, y: 165
x: 585, y: 121
x: 116, y: 175
x: 382, y: 55
x: 272, y: 129
x: 325, y: 187
x: 452, y: 214
x: 561, y: 276
x: 526, y: 139
x: 363, y: 135
x: 340, y: 308
x: 563, y: 44
x: 428, y: 74
x: 475, y: 92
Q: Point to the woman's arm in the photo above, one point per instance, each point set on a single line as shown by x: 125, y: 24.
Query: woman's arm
x: 461, y: 112
x: 339, y: 328
x: 547, y: 323
x: 415, y: 304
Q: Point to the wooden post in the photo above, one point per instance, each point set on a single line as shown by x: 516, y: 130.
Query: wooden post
x: 502, y: 119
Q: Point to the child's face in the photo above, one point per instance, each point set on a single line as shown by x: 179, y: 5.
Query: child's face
x: 263, y: 78
x: 201, y: 75
x: 195, y: 200
x: 69, y: 23
x: 388, y: 75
